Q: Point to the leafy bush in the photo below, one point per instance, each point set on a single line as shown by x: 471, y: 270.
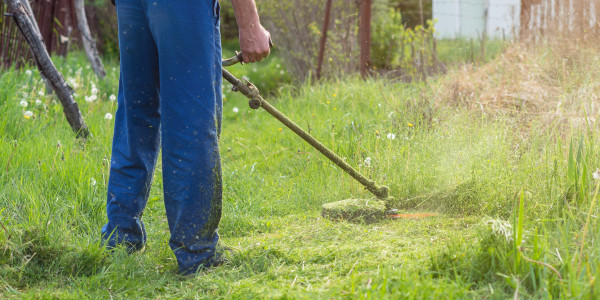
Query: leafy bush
x: 396, y: 46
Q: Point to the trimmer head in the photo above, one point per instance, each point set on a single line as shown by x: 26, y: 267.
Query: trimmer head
x: 355, y: 210
x: 368, y: 211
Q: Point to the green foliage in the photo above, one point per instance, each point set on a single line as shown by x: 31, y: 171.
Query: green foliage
x: 411, y: 11
x: 396, y: 46
x: 102, y: 20
x: 269, y: 76
x: 229, y: 29
x: 296, y: 27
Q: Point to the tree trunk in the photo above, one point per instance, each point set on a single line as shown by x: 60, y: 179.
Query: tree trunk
x: 89, y: 44
x: 22, y: 17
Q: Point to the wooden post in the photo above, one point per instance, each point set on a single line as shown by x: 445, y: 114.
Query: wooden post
x: 364, y: 36
x: 525, y: 18
x: 89, y: 44
x: 20, y: 15
x: 421, y: 13
x: 323, y: 38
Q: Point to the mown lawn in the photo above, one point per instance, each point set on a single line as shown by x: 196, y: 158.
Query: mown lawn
x: 515, y: 197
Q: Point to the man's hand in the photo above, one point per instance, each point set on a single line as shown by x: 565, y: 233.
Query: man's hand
x: 254, y: 39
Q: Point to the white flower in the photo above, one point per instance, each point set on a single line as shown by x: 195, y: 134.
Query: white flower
x: 23, y: 103
x: 367, y: 162
x: 72, y: 82
x: 41, y: 93
x: 596, y: 174
x: 38, y: 102
x: 112, y: 97
x: 94, y: 89
x: 108, y: 116
x: 391, y: 136
x: 28, y: 114
x: 91, y: 98
x: 92, y: 181
x: 235, y: 110
x: 28, y: 72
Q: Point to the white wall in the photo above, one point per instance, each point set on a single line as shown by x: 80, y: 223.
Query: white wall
x: 467, y: 18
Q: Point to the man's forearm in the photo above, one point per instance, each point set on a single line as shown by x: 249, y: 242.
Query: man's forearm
x: 246, y: 13
x: 254, y: 39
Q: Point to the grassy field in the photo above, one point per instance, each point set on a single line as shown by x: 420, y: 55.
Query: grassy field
x: 511, y: 177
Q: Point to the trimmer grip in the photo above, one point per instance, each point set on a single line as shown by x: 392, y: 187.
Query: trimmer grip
x: 240, y: 58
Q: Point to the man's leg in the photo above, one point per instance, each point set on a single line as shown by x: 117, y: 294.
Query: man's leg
x: 136, y: 134
x: 186, y: 33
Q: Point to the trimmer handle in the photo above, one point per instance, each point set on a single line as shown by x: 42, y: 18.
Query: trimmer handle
x: 238, y: 58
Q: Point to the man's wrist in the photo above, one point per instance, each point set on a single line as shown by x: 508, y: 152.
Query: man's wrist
x: 243, y: 26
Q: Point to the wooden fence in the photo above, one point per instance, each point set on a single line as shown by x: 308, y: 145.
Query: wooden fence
x: 57, y: 23
x: 573, y: 18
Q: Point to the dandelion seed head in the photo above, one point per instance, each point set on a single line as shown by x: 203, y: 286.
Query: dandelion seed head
x: 108, y: 116
x: 38, y: 102
x: 28, y: 72
x: 91, y: 98
x: 28, y: 114
x: 236, y: 110
x: 367, y: 162
x: 112, y: 97
x: 23, y: 103
x: 596, y: 174
x: 391, y: 136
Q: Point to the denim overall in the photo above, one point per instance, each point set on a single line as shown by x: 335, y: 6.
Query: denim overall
x: 169, y: 97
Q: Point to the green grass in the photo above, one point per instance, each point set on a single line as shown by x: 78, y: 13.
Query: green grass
x: 461, y: 51
x: 506, y: 195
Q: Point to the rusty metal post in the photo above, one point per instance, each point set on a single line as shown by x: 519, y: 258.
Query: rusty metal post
x: 364, y: 36
x: 323, y: 38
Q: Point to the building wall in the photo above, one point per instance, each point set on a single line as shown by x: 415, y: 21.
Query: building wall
x: 467, y: 18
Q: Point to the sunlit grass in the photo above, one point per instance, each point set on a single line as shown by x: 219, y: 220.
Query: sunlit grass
x: 473, y: 169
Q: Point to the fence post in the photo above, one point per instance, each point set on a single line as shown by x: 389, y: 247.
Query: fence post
x: 364, y: 36
x: 323, y: 38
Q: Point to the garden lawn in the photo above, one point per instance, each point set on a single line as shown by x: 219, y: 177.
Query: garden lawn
x: 513, y: 197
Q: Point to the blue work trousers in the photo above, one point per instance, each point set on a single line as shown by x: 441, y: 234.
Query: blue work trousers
x: 169, y: 97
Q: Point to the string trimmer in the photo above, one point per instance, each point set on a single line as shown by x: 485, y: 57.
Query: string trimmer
x: 367, y: 210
